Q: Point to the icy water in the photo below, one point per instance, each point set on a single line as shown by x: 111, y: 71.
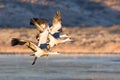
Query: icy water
x: 60, y: 67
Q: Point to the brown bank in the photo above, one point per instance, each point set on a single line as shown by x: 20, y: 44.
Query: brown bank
x: 85, y: 40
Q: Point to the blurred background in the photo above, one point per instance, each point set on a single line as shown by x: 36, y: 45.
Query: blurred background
x: 17, y: 13
x: 90, y: 22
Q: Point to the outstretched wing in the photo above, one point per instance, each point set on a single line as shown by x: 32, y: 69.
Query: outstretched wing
x: 57, y: 23
x: 43, y: 37
x: 32, y: 46
x: 40, y: 23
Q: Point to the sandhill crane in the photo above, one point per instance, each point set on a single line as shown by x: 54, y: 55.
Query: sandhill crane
x: 46, y: 34
x: 43, y: 27
x: 38, y: 52
x: 56, y: 27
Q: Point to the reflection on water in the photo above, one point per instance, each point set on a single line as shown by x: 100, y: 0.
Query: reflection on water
x: 62, y: 67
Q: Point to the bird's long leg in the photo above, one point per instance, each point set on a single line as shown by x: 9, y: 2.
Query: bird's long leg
x: 34, y: 60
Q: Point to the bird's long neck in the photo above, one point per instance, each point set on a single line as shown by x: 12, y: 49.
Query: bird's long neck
x: 53, y: 53
x: 65, y: 40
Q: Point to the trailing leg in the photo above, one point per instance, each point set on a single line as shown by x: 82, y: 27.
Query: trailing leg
x: 34, y: 60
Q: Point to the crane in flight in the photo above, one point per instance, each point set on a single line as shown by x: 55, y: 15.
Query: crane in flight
x: 54, y: 31
x: 38, y: 52
x: 47, y: 37
x: 56, y: 27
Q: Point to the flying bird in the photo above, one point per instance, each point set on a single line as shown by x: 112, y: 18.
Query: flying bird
x: 43, y: 28
x: 56, y: 27
x: 52, y: 33
x: 38, y: 52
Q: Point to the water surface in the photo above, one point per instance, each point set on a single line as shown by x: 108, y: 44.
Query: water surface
x: 60, y: 67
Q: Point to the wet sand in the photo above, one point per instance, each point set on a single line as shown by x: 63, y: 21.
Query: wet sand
x: 60, y: 67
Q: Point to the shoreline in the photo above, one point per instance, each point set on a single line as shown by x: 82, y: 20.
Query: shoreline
x: 85, y: 40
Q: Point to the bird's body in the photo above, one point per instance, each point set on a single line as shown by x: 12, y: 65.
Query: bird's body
x: 43, y: 39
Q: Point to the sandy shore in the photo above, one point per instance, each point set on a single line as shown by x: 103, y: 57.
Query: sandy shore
x: 92, y: 40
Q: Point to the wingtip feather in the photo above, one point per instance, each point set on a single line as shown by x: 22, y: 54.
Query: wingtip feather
x: 14, y: 41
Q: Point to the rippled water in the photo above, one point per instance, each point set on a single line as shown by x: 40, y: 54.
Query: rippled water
x: 60, y: 67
